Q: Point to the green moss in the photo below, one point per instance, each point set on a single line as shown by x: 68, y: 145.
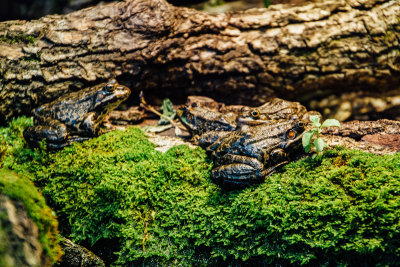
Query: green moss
x: 13, y: 148
x: 32, y: 58
x: 21, y: 189
x: 117, y: 193
x: 17, y: 39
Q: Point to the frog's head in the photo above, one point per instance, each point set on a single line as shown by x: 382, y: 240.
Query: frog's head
x: 273, y: 109
x: 288, y: 147
x: 198, y: 119
x: 252, y: 116
x: 110, y: 95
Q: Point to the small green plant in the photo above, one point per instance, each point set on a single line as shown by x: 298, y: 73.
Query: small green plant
x: 318, y: 142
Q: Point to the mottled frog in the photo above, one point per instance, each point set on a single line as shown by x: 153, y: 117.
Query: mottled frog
x: 207, y: 125
x: 251, y: 153
x: 248, y: 145
x: 75, y: 116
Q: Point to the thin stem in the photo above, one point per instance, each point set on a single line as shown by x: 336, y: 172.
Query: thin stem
x: 143, y: 104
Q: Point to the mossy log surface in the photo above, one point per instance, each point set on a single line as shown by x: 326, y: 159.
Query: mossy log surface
x: 331, y: 46
x: 28, y: 227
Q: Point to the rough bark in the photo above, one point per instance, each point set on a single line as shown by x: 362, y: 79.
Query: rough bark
x: 379, y: 137
x: 329, y: 47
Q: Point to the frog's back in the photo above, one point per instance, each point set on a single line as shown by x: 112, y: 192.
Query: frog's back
x: 69, y: 109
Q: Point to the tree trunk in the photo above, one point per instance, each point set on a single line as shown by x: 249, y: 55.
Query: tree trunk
x: 334, y: 46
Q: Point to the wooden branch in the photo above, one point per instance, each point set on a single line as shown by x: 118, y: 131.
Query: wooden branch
x: 291, y: 51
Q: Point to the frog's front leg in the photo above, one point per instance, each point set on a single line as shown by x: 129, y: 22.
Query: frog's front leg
x: 240, y: 172
x: 89, y: 126
x: 52, y: 131
x: 211, y: 139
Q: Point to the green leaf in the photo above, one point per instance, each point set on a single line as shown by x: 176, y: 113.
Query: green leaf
x: 331, y: 123
x: 306, y: 139
x: 314, y: 119
x: 319, y: 144
x: 168, y: 111
x: 307, y: 148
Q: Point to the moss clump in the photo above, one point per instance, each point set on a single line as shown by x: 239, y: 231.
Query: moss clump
x: 117, y: 193
x: 17, y: 39
x: 33, y: 58
x: 21, y: 189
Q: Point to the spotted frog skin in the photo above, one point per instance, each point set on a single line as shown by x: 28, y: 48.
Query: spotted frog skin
x: 274, y: 109
x: 206, y: 125
x: 248, y: 145
x: 251, y: 153
x: 76, y: 116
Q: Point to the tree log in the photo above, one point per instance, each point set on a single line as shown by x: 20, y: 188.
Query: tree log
x: 379, y: 137
x: 332, y: 46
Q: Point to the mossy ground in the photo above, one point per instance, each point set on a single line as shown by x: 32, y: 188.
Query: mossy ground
x: 22, y: 189
x: 116, y: 193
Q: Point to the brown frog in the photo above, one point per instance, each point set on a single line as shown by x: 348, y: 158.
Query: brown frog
x: 274, y: 109
x: 249, y: 145
x: 75, y: 116
x: 251, y: 153
x: 207, y: 124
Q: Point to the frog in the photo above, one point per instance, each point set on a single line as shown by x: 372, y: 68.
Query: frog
x: 76, y: 116
x: 249, y: 145
x: 253, y: 152
x: 206, y: 125
x: 274, y: 109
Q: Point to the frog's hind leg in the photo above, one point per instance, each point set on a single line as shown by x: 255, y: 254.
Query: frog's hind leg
x: 243, y: 172
x: 272, y: 170
x: 234, y: 176
x: 70, y: 140
x: 52, y: 132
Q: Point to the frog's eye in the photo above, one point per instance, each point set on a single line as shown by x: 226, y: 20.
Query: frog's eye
x: 299, y: 126
x: 255, y: 113
x: 189, y: 117
x: 195, y: 105
x: 111, y: 84
x: 291, y: 134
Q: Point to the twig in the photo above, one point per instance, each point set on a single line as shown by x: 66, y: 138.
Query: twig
x: 143, y: 104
